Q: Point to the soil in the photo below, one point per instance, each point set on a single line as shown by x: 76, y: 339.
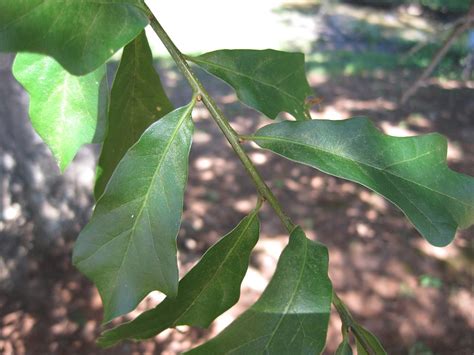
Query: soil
x: 411, y: 295
x: 379, y: 263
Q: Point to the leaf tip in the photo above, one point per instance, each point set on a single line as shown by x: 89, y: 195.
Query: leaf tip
x: 62, y: 165
x: 440, y: 242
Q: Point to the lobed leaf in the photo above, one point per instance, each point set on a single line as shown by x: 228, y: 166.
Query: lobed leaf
x: 268, y: 80
x: 67, y: 111
x: 206, y: 291
x: 80, y: 34
x: 137, y: 100
x: 129, y: 246
x: 292, y: 315
x: 411, y: 172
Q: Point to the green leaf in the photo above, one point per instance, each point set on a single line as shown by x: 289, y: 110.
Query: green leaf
x: 411, y: 172
x: 67, y: 111
x: 373, y: 345
x: 360, y: 349
x: 207, y: 290
x: 268, y: 80
x: 344, y: 348
x: 137, y: 100
x: 419, y: 348
x: 129, y: 246
x: 79, y: 34
x: 430, y: 281
x: 292, y: 315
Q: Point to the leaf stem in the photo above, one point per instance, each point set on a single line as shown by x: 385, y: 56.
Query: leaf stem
x: 341, y: 308
x: 234, y: 140
x: 245, y: 138
x: 349, y: 323
x: 231, y: 136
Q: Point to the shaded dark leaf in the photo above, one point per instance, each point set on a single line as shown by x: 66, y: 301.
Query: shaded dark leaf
x: 363, y: 336
x: 206, y: 291
x: 81, y: 34
x: 136, y: 101
x: 411, y: 172
x: 292, y: 315
x: 268, y: 80
x: 129, y: 246
x: 344, y: 348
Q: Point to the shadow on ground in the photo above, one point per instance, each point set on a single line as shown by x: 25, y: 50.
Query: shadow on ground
x: 405, y: 291
x: 411, y: 295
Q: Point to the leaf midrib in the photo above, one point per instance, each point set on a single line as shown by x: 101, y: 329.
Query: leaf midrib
x: 382, y: 170
x: 197, y: 61
x: 46, y: 2
x: 290, y: 302
x: 144, y: 334
x: 251, y: 219
x: 147, y: 194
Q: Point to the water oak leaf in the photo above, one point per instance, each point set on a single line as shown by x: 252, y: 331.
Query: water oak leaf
x: 268, y: 80
x: 344, y: 348
x: 67, y: 111
x: 80, y: 34
x: 411, y: 172
x: 129, y: 246
x: 136, y: 101
x: 292, y: 315
x: 205, y: 292
x: 370, y: 341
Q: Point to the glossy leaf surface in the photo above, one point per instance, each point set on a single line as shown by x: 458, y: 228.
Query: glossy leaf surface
x: 411, y: 172
x: 129, y: 246
x: 206, y: 291
x: 268, y: 80
x: 136, y: 101
x: 291, y: 316
x: 79, y: 34
x: 371, y: 341
x: 67, y: 111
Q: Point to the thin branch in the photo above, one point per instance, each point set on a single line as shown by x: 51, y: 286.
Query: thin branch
x: 221, y: 120
x: 432, y: 38
x: 348, y: 322
x: 234, y: 140
x: 463, y: 25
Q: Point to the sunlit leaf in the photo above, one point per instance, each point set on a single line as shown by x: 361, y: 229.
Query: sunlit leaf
x: 207, y: 290
x: 291, y: 316
x: 67, y: 111
x: 366, y: 342
x: 79, y: 34
x: 129, y: 246
x: 268, y: 80
x: 410, y: 171
x: 136, y: 101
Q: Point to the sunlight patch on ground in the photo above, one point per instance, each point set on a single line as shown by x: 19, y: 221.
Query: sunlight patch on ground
x: 409, y: 26
x: 201, y: 26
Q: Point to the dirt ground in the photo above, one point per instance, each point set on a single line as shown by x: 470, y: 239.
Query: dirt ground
x: 416, y: 298
x: 410, y: 294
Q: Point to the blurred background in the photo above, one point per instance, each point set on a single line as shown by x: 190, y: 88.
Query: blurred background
x: 361, y: 57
